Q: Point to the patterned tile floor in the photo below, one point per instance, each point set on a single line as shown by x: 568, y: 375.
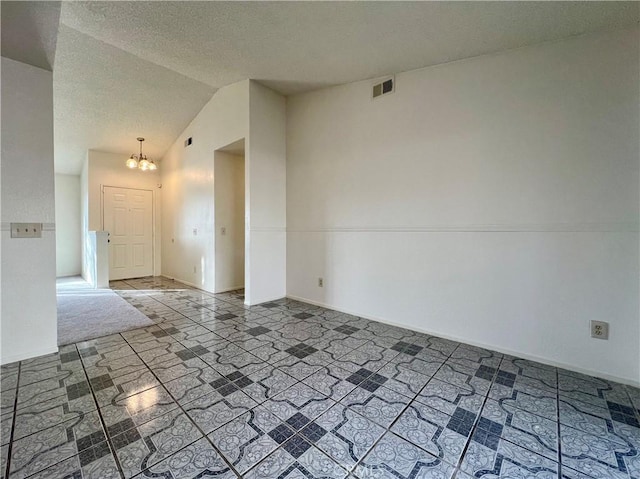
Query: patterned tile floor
x: 286, y: 389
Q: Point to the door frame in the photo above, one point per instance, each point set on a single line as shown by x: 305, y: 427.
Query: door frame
x: 153, y: 218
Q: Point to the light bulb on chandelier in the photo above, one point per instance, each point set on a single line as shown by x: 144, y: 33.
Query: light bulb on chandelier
x: 140, y: 161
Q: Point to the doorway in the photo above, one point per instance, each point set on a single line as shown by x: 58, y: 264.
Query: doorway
x: 127, y: 215
x: 229, y: 210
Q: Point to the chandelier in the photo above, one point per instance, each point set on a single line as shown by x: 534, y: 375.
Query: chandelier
x: 141, y: 161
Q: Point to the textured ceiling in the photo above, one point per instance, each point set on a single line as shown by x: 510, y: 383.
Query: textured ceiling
x: 128, y: 69
x: 29, y: 32
x: 104, y: 98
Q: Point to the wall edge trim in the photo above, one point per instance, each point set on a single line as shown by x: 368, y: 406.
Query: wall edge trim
x: 277, y: 229
x: 479, y: 228
x: 531, y: 357
x: 263, y: 301
x: 28, y: 355
x: 226, y: 290
x: 179, y: 280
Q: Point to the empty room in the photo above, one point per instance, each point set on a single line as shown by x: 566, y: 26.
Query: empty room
x: 320, y: 240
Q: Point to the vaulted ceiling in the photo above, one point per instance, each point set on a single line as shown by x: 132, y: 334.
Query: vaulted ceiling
x: 129, y: 69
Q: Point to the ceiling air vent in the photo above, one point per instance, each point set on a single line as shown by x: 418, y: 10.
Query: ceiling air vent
x: 384, y: 87
x: 188, y: 141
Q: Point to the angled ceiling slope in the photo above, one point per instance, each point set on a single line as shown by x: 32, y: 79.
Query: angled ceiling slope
x: 297, y: 46
x: 128, y: 69
x: 105, y: 97
x: 30, y: 31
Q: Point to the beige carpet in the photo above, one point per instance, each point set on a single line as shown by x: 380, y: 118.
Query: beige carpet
x: 87, y: 313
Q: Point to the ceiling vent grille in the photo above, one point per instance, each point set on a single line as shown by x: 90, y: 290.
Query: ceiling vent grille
x: 383, y: 87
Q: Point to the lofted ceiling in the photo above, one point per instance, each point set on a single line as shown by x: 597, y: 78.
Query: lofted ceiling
x: 127, y: 69
x: 29, y: 32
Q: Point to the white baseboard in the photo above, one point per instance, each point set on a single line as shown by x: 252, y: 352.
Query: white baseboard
x: 225, y: 290
x: 200, y: 288
x: 28, y: 355
x: 530, y: 357
x: 264, y: 301
x: 71, y: 275
x: 229, y: 289
x: 188, y: 283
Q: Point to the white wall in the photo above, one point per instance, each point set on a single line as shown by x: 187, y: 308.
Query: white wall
x: 188, y: 186
x: 494, y: 200
x: 229, y: 214
x: 109, y: 169
x: 68, y: 219
x: 244, y: 110
x: 265, y: 179
x: 29, y: 325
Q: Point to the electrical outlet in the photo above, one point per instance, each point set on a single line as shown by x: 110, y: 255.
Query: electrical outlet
x: 223, y: 230
x: 320, y: 282
x: 600, y: 329
x: 195, y: 231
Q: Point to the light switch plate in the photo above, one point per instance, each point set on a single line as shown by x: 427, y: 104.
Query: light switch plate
x: 26, y: 230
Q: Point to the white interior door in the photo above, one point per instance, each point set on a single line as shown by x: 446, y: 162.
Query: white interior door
x: 128, y: 217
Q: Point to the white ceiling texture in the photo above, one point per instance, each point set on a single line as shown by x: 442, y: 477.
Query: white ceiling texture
x: 128, y: 69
